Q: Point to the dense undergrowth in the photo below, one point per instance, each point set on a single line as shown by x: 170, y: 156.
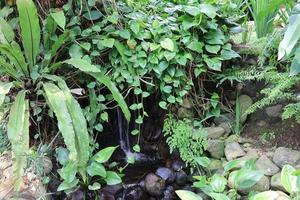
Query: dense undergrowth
x: 64, y: 66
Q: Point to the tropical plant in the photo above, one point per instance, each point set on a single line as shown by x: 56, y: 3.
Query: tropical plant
x: 151, y: 47
x: 34, y: 75
x: 264, y: 13
x: 290, y: 180
x: 96, y: 171
x: 215, y: 186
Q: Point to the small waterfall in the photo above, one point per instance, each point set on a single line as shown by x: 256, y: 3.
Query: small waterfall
x: 124, y: 129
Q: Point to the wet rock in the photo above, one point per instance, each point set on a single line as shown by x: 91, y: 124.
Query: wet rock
x: 113, y: 189
x: 245, y: 102
x: 232, y: 138
x: 233, y: 150
x: 154, y: 185
x: 265, y: 165
x: 167, y: 174
x: 216, y: 148
x: 227, y: 127
x: 181, y: 177
x: 283, y: 156
x: 276, y: 182
x: 135, y: 193
x: 262, y: 185
x: 185, y: 113
x: 178, y: 165
x: 103, y: 195
x: 224, y: 118
x: 215, y: 166
x: 77, y: 195
x: 169, y: 193
x: 214, y: 132
x: 274, y: 111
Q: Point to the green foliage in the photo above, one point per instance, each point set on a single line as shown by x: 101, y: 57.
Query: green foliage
x: 35, y: 75
x: 290, y: 180
x: 182, y: 137
x: 18, y: 134
x: 216, y: 185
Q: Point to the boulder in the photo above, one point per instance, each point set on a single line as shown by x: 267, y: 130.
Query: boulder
x: 233, y: 150
x: 232, y: 138
x: 227, y: 127
x: 154, y: 185
x: 262, y: 185
x: 265, y: 165
x: 224, y: 118
x: 245, y: 102
x: 215, y: 166
x: 283, y: 156
x: 276, y: 182
x: 181, y: 178
x: 214, y: 132
x: 167, y: 174
x: 216, y: 148
x: 274, y: 111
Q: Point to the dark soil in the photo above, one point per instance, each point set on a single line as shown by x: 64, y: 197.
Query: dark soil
x: 272, y: 132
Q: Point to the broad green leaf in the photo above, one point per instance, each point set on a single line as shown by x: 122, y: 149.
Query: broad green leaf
x: 109, y: 42
x: 58, y: 104
x: 135, y: 26
x: 112, y: 178
x: 219, y: 196
x: 245, y: 178
x: 213, y: 48
x: 233, y: 164
x: 30, y: 29
x: 59, y: 18
x: 7, y: 34
x: 96, y: 169
x: 168, y: 44
x: 105, y: 80
x: 82, y: 65
x: 195, y: 46
x: 79, y: 125
x: 213, y: 63
x: 68, y: 172
x: 202, y: 161
x: 62, y: 155
x: 291, y: 37
x: 8, y: 68
x: 104, y: 155
x: 218, y: 183
x: 187, y: 195
x: 15, y: 57
x: 18, y: 135
x: 268, y: 195
x: 95, y: 186
x: 295, y: 66
x: 4, y: 89
x: 288, y: 181
x: 208, y: 10
x: 67, y: 186
x: 192, y: 10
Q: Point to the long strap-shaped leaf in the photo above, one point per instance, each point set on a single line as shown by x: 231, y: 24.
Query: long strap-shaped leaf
x: 15, y: 57
x: 7, y: 34
x: 58, y: 104
x: 8, y: 69
x: 18, y: 134
x: 79, y: 125
x: 30, y: 29
x: 96, y: 73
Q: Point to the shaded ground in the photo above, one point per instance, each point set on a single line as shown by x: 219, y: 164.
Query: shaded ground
x: 272, y: 132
